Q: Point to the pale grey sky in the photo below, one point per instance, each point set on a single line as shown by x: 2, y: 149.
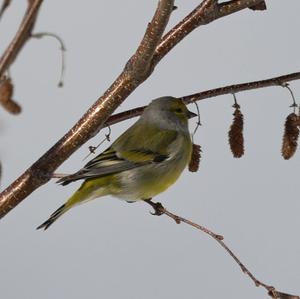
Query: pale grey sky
x: 111, y: 249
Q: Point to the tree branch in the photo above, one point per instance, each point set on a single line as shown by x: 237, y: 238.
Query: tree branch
x: 137, y: 70
x: 275, y: 81
x: 159, y: 209
x: 211, y: 93
x: 22, y: 35
x: 41, y: 171
x: 4, y: 6
x: 206, y: 12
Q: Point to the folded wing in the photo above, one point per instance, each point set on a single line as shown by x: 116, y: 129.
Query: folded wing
x: 125, y: 153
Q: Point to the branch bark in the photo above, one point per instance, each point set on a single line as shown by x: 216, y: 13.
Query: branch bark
x: 137, y: 70
x: 203, y: 14
x: 211, y: 93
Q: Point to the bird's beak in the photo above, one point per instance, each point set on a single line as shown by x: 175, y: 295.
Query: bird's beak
x: 191, y: 114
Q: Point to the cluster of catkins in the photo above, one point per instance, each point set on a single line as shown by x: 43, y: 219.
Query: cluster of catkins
x: 290, y: 136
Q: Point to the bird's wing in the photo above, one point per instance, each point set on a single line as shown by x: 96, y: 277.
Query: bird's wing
x: 113, y: 161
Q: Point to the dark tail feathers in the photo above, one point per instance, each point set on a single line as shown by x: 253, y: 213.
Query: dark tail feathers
x: 53, y: 217
x: 70, y: 178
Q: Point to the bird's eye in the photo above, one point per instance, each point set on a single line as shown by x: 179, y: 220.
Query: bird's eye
x: 178, y: 110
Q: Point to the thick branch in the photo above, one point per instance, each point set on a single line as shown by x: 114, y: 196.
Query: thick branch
x: 133, y: 75
x: 21, y: 36
x: 142, y: 59
x: 41, y: 171
x: 235, y: 88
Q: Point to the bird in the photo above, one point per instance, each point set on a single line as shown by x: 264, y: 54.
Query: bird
x: 144, y: 161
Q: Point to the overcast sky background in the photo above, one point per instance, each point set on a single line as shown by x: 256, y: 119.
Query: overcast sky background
x: 111, y: 249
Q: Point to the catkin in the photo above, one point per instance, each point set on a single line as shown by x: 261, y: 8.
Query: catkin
x: 290, y: 136
x: 195, y: 158
x: 235, y: 134
x: 6, y: 93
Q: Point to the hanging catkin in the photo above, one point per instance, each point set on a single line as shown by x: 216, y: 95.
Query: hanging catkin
x: 6, y: 93
x: 235, y: 134
x: 195, y: 158
x: 290, y: 136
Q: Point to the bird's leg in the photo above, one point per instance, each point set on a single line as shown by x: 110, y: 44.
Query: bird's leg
x: 159, y: 210
x: 157, y: 206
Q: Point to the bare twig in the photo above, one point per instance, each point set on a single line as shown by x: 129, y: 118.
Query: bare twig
x: 294, y: 104
x: 21, y: 36
x: 4, y: 6
x: 92, y: 149
x: 159, y: 209
x: 62, y: 51
x: 275, y: 81
x: 198, y: 123
x: 230, y: 89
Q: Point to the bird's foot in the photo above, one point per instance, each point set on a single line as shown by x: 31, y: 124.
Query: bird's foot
x: 157, y: 206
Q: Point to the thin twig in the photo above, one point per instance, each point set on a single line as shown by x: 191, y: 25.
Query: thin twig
x: 235, y: 105
x: 211, y: 93
x: 294, y: 104
x: 62, y: 51
x: 275, y: 81
x: 22, y: 35
x: 198, y: 123
x: 4, y: 6
x: 93, y: 148
x: 159, y: 209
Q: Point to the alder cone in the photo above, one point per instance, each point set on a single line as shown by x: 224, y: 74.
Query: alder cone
x: 195, y: 158
x: 235, y: 134
x: 6, y: 93
x: 290, y: 136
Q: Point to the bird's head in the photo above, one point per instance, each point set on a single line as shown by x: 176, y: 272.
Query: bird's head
x: 168, y: 111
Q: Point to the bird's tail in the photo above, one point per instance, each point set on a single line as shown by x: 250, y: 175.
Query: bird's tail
x: 84, y: 193
x: 61, y: 210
